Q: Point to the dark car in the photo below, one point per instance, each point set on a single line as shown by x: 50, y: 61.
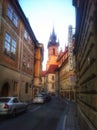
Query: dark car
x: 46, y: 96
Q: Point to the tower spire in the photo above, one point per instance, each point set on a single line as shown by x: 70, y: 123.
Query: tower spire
x: 53, y: 38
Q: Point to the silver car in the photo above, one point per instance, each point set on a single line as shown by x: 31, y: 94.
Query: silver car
x: 38, y: 99
x: 11, y: 105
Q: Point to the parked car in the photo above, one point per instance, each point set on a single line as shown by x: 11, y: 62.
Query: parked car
x: 11, y: 106
x: 46, y: 96
x: 38, y: 99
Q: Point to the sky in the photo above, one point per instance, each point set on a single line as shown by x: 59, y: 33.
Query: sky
x: 43, y: 15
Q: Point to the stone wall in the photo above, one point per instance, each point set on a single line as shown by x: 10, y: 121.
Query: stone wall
x: 86, y: 59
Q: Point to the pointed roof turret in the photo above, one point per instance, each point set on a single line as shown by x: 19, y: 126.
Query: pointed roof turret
x: 53, y: 36
x: 52, y: 39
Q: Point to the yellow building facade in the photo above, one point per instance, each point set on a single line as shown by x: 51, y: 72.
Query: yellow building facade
x: 65, y: 77
x: 38, y: 69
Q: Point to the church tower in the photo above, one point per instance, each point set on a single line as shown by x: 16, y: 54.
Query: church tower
x: 53, y: 45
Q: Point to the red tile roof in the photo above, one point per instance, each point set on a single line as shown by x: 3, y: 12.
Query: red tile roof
x: 52, y: 68
x: 43, y: 73
x: 62, y: 54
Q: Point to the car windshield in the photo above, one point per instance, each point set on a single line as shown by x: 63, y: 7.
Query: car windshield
x: 39, y: 96
x: 4, y: 99
x: 44, y: 94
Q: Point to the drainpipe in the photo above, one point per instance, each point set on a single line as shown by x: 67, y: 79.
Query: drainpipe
x: 20, y: 62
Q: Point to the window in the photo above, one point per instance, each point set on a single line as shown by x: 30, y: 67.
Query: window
x: 15, y: 100
x: 7, y: 43
x: 13, y: 49
x: 25, y: 34
x: 52, y: 77
x: 10, y: 46
x: 15, y: 19
x: 29, y: 39
x: 53, y: 86
x: 53, y: 51
x: 9, y: 12
x: 26, y: 87
x: 12, y: 15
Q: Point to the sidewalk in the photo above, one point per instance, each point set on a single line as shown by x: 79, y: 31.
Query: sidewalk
x: 72, y: 119
x: 69, y: 119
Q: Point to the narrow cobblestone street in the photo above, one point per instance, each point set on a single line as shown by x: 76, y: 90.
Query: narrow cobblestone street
x: 57, y: 114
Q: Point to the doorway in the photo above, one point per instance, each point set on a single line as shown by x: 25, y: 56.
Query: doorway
x: 5, y: 90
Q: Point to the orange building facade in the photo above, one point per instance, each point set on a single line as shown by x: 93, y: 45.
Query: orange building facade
x: 38, y: 69
x: 52, y: 50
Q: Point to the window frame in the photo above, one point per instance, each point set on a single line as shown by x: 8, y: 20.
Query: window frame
x: 15, y: 19
x: 53, y: 85
x: 53, y: 51
x: 9, y: 12
x: 25, y: 35
x: 12, y: 15
x: 9, y: 46
x: 26, y: 87
x: 53, y: 77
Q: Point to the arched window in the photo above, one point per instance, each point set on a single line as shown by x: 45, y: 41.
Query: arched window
x: 53, y: 51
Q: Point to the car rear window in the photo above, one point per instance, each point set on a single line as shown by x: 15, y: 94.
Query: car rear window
x: 4, y: 99
x: 39, y: 96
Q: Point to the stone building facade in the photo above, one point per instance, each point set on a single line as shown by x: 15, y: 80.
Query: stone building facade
x: 86, y: 62
x: 65, y: 75
x: 62, y: 74
x: 17, y: 52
